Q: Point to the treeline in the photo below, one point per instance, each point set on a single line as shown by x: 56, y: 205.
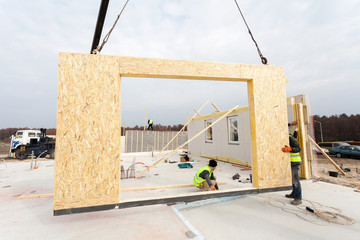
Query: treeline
x: 6, y: 133
x: 334, y: 128
x: 337, y: 127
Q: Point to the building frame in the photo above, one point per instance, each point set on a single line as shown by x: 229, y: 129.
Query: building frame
x: 87, y: 166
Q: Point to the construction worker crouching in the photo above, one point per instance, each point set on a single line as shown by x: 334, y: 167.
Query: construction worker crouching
x: 204, y: 179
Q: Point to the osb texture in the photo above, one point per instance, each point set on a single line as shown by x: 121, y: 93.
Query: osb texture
x: 299, y: 112
x: 269, y: 132
x: 87, y: 167
x: 88, y: 133
x: 305, y: 168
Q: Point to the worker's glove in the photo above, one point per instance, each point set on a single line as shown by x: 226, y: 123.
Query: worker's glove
x: 212, y: 188
x: 286, y: 149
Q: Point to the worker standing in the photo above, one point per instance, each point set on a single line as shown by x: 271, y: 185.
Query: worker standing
x: 150, y: 122
x: 204, y: 179
x: 295, y: 159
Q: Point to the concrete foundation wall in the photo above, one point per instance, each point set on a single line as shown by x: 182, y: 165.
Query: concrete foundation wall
x: 147, y: 141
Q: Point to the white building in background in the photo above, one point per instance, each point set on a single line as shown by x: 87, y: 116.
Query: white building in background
x: 229, y: 140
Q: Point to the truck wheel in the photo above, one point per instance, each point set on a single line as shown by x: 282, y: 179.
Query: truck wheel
x: 21, y: 155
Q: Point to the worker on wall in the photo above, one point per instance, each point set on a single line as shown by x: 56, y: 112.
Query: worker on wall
x: 150, y: 122
x: 295, y: 159
x: 204, y: 179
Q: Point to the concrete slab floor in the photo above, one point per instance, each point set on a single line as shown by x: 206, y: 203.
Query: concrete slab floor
x: 252, y: 217
x: 169, y: 173
x: 249, y: 217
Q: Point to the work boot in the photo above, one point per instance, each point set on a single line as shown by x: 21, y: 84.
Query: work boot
x: 296, y: 201
x: 290, y: 195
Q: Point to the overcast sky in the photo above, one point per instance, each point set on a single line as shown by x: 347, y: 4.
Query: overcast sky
x: 316, y: 41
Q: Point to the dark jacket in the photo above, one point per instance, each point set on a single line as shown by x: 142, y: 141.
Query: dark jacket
x: 205, y: 175
x: 295, y: 146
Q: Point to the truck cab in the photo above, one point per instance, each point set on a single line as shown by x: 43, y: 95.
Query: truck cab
x: 24, y: 142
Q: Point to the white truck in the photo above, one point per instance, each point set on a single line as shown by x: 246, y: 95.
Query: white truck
x: 26, y: 142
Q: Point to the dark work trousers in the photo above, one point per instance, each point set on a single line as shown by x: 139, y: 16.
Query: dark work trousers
x: 296, y: 181
x: 150, y: 126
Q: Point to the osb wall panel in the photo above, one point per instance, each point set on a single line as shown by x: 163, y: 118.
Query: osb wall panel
x: 87, y: 170
x: 269, y: 131
x: 267, y: 101
x: 87, y: 166
x: 305, y: 168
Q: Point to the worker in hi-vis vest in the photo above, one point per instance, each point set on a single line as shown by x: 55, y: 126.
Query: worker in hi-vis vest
x: 204, y: 179
x: 295, y: 159
x: 150, y: 122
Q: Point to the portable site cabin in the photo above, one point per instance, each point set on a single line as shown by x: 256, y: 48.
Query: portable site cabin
x: 230, y: 139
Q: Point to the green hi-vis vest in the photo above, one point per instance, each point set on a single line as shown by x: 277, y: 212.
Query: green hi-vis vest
x: 197, y: 179
x: 294, y: 157
x: 150, y: 121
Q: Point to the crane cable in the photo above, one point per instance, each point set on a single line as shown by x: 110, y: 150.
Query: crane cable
x: 106, y: 38
x: 263, y: 59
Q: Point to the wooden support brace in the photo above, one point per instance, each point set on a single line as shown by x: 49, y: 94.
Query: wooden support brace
x: 145, y: 120
x: 188, y: 141
x: 182, y: 128
x: 197, y: 112
x: 217, y: 109
x: 334, y: 163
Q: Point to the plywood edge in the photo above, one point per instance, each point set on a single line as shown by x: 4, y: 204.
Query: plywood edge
x: 85, y: 201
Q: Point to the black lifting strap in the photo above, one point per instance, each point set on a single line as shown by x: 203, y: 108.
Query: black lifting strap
x: 263, y: 59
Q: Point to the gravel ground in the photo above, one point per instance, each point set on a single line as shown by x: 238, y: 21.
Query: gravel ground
x: 352, y: 178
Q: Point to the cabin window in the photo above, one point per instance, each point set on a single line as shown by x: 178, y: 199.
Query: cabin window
x: 233, y: 130
x: 19, y: 134
x: 32, y: 134
x: 208, y: 135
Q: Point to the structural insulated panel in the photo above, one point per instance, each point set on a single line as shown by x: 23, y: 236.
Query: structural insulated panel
x: 87, y: 166
x: 87, y: 170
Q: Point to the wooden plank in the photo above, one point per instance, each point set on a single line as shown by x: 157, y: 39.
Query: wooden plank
x: 302, y: 139
x: 172, y: 152
x: 328, y: 158
x: 50, y: 195
x: 217, y: 109
x: 197, y: 112
x: 306, y: 115
x: 162, y: 187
